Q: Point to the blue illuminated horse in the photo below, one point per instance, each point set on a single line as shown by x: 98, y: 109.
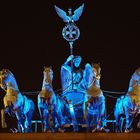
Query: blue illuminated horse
x: 124, y: 109
x: 129, y: 104
x: 95, y: 107
x: 50, y: 105
x: 15, y: 103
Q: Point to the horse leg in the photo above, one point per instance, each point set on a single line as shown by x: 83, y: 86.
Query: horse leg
x: 55, y: 121
x: 129, y: 120
x: 46, y: 120
x: 89, y: 119
x: 101, y: 113
x: 118, y: 122
x: 58, y: 121
x: 20, y: 120
x: 55, y: 124
x: 40, y: 109
x: 28, y: 120
x: 12, y: 121
x: 41, y: 116
x: 73, y: 117
x: 99, y: 123
x: 94, y: 123
x: 3, y: 111
x: 138, y: 124
x: 3, y: 123
x: 117, y: 118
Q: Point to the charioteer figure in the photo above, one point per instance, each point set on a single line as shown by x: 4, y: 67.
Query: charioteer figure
x: 71, y: 78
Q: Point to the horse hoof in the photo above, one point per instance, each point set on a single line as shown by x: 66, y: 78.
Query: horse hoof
x: 128, y: 130
x: 75, y: 130
x: 13, y: 130
x: 94, y: 130
x: 138, y: 125
x: 105, y: 130
x: 48, y: 131
x: 61, y: 130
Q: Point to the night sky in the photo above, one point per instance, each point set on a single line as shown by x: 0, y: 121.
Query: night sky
x: 30, y: 37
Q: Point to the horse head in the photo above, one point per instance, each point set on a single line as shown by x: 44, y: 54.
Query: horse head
x: 7, y: 80
x: 48, y: 75
x: 137, y: 71
x: 96, y: 70
x: 47, y: 90
x: 4, y: 73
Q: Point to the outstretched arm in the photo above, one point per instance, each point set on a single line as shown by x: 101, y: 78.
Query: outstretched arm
x: 69, y: 59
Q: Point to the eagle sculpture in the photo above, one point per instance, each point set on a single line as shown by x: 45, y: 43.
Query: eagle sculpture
x: 69, y: 17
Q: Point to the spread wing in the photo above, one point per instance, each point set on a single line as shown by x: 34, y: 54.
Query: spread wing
x: 61, y: 13
x: 88, y: 75
x: 65, y: 78
x: 78, y: 12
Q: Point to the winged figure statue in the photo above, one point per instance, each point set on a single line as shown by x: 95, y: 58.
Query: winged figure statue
x: 70, y: 17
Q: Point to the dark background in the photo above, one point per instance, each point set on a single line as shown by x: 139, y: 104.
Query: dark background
x: 30, y: 37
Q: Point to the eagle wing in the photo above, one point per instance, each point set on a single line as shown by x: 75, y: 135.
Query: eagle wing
x: 61, y: 13
x: 78, y: 12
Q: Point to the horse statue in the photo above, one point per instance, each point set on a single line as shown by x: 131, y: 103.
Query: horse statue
x: 15, y: 103
x: 95, y: 106
x: 129, y: 104
x: 50, y: 105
